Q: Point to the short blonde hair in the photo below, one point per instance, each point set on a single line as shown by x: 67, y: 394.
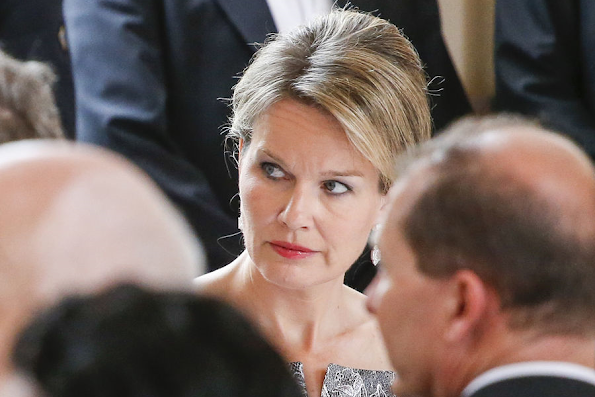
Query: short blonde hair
x: 352, y: 65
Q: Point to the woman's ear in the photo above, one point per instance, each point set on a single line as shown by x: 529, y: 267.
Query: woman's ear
x: 384, y: 201
x: 240, y: 147
x: 384, y: 206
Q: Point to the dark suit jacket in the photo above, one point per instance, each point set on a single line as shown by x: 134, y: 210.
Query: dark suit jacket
x: 30, y: 30
x: 545, y: 64
x: 149, y: 75
x: 537, y: 386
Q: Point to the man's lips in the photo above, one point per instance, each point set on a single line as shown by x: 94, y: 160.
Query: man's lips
x: 291, y: 251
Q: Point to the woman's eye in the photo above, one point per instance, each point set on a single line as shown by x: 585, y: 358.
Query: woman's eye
x: 272, y: 171
x: 335, y: 187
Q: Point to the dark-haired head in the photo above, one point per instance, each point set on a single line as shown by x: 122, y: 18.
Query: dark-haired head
x: 131, y: 342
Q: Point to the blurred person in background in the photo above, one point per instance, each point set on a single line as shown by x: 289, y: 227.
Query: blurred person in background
x: 545, y: 64
x: 33, y: 30
x: 27, y: 106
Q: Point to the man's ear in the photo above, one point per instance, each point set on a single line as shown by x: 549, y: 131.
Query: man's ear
x: 472, y: 301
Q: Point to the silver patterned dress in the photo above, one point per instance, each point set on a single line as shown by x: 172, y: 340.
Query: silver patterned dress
x: 342, y: 381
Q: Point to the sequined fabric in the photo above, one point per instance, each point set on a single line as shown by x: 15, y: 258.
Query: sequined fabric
x: 348, y: 382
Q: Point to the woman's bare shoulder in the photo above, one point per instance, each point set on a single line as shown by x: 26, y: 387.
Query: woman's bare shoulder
x: 215, y: 283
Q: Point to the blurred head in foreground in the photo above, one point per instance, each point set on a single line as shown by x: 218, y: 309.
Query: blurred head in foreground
x: 77, y: 219
x: 488, y: 256
x: 130, y: 342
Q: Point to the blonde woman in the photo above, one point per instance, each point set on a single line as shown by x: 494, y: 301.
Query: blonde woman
x: 318, y: 118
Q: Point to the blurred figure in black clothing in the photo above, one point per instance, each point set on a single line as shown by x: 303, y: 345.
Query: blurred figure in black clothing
x: 545, y: 64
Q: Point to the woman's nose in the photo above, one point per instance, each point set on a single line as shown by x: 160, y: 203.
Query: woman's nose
x: 298, y: 210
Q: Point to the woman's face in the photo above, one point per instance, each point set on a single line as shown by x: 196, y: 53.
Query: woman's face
x: 308, y: 198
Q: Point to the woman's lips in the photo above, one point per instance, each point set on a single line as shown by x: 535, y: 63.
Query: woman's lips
x: 291, y: 251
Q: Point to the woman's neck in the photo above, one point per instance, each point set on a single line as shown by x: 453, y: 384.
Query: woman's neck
x: 301, y: 319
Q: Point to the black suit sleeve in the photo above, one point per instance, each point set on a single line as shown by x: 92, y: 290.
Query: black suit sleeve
x: 118, y: 49
x: 538, y: 65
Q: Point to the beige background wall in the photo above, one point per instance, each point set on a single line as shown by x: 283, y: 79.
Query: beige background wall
x: 468, y: 27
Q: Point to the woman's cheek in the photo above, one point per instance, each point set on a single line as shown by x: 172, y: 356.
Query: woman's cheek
x: 257, y: 198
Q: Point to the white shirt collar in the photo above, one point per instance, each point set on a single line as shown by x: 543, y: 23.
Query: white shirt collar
x: 289, y: 14
x: 532, y: 368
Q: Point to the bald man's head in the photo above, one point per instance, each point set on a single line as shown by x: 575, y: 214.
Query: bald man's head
x: 77, y: 219
x: 515, y: 204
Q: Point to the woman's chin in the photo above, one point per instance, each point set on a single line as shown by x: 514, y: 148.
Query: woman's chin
x: 294, y: 277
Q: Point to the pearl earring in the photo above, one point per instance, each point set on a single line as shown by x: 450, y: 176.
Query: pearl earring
x: 240, y: 222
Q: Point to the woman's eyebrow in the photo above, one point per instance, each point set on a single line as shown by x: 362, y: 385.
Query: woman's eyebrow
x: 343, y: 173
x: 272, y: 156
x: 325, y: 174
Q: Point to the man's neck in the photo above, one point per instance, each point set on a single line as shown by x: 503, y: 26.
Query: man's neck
x: 565, y: 348
x: 514, y: 347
